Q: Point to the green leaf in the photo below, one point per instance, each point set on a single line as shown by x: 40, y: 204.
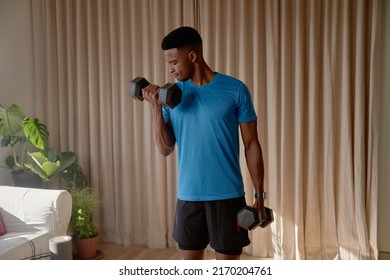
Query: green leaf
x: 66, y: 159
x: 36, y: 132
x: 6, y: 141
x: 11, y: 120
x: 75, y: 176
x: 10, y: 162
x: 49, y: 168
x: 39, y: 158
x: 51, y: 154
x: 38, y: 171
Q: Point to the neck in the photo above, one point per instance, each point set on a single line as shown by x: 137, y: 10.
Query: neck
x: 203, y: 75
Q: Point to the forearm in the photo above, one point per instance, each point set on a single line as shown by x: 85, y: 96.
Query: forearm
x: 254, y: 160
x: 163, y: 135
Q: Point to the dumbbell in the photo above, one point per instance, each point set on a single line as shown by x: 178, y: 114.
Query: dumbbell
x: 249, y: 218
x: 169, y: 95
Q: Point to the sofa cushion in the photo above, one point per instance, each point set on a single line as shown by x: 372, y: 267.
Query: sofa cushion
x: 25, y: 246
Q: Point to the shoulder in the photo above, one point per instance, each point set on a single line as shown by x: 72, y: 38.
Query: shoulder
x: 233, y: 85
x: 232, y: 81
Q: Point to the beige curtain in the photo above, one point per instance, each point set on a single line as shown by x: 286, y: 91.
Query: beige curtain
x: 311, y: 67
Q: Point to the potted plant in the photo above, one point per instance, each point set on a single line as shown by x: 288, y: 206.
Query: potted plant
x: 23, y: 133
x: 85, y: 231
x: 18, y: 133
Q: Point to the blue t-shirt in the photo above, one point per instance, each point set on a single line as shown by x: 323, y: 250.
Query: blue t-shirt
x: 205, y: 125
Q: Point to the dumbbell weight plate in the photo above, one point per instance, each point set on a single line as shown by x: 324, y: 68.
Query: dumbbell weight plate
x: 135, y: 88
x: 249, y: 218
x: 170, y: 95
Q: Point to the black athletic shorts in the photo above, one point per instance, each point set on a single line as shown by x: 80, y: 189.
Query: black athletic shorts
x: 199, y: 223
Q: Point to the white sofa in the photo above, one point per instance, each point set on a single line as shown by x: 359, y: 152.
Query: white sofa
x: 32, y: 216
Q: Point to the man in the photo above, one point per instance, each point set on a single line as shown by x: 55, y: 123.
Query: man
x: 205, y: 126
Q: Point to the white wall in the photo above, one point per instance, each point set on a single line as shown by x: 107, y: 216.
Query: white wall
x: 16, y: 86
x: 16, y: 72
x: 384, y: 140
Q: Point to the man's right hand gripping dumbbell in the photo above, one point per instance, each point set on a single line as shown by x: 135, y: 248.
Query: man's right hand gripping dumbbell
x: 169, y: 95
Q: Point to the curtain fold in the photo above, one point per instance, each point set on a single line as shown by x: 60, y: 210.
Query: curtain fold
x: 312, y: 69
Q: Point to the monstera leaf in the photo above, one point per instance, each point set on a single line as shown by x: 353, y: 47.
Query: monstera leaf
x: 11, y: 120
x: 36, y: 132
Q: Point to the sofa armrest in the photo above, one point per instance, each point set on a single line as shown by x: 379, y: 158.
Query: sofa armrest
x: 29, y: 209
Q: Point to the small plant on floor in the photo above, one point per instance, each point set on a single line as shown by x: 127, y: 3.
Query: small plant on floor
x: 85, y: 231
x: 84, y: 203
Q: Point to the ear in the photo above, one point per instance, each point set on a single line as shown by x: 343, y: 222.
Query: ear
x: 193, y: 56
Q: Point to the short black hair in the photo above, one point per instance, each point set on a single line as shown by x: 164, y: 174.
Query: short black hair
x: 181, y: 37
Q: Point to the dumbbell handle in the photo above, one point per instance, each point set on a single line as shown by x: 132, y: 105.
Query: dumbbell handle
x: 270, y: 217
x: 136, y: 85
x: 169, y: 95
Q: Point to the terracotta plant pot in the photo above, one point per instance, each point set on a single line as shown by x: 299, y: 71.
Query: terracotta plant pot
x: 87, y: 248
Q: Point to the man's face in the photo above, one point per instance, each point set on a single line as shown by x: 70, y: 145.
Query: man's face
x: 179, y: 63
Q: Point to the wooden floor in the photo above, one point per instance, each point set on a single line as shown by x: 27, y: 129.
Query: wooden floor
x: 136, y: 252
